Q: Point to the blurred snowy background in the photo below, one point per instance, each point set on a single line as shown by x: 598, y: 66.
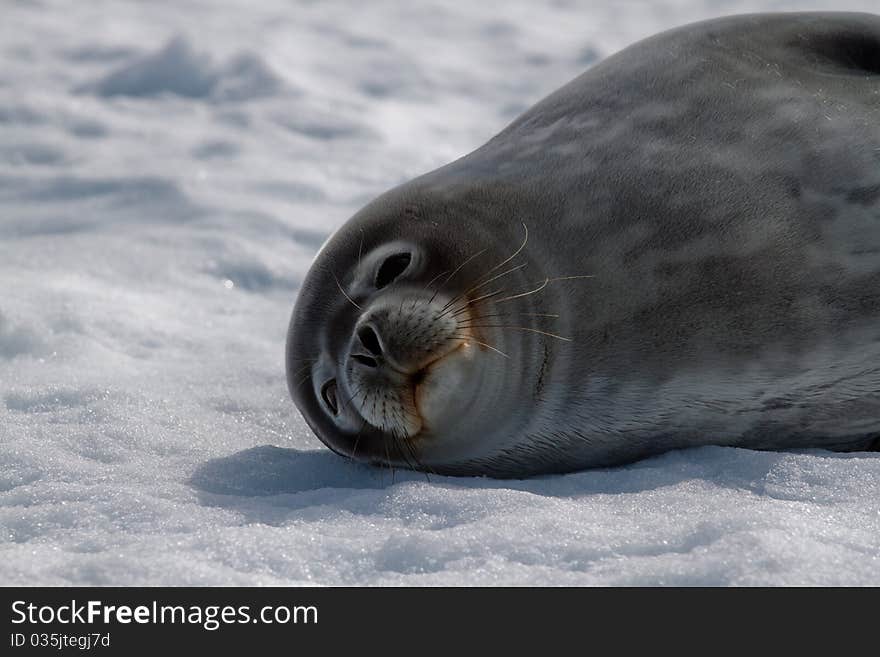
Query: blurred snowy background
x: 167, y: 171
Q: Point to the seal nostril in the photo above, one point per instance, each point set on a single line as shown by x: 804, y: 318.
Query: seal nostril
x: 370, y: 340
x: 365, y: 360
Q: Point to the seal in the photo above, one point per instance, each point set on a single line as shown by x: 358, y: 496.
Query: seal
x: 680, y: 247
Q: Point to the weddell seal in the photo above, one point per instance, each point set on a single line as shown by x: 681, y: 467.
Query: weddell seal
x: 680, y: 247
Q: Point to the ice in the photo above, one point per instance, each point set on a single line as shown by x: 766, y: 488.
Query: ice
x: 167, y: 171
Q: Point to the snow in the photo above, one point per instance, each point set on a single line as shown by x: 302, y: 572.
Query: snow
x: 167, y: 171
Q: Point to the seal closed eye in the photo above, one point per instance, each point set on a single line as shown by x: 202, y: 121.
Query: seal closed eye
x: 680, y: 247
x: 393, y: 267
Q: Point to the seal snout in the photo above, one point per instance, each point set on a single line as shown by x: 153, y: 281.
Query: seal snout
x: 403, y: 337
x: 393, y: 346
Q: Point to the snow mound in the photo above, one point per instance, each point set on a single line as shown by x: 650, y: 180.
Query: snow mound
x: 180, y: 70
x: 17, y: 340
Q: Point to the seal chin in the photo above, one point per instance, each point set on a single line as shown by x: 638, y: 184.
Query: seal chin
x: 387, y: 403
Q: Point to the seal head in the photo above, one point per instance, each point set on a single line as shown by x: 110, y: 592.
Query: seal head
x: 411, y: 346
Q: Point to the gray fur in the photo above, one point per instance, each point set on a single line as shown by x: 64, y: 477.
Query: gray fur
x: 721, y: 182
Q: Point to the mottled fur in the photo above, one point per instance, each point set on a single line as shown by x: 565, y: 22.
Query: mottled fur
x: 721, y: 182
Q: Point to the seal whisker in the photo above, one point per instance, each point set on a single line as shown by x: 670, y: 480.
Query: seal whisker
x: 495, y: 278
x: 433, y: 280
x: 357, y: 439
x: 308, y: 365
x: 517, y: 328
x: 300, y: 371
x: 388, y: 460
x: 569, y: 278
x: 399, y: 446
x: 344, y: 293
x: 456, y: 270
x: 353, y: 396
x: 468, y: 338
x: 404, y: 444
x: 500, y: 264
x: 542, y: 285
x: 515, y: 253
x: 488, y: 295
x: 460, y: 309
x: 515, y: 314
x: 412, y: 450
x: 525, y: 294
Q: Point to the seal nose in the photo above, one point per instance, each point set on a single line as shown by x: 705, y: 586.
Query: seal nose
x: 369, y: 341
x: 401, y: 335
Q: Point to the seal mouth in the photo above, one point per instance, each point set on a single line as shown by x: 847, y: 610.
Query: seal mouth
x: 396, y: 400
x: 418, y: 384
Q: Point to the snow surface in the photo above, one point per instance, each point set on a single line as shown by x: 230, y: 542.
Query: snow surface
x: 167, y: 170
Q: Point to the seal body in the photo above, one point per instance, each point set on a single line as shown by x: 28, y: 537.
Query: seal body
x: 695, y: 227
